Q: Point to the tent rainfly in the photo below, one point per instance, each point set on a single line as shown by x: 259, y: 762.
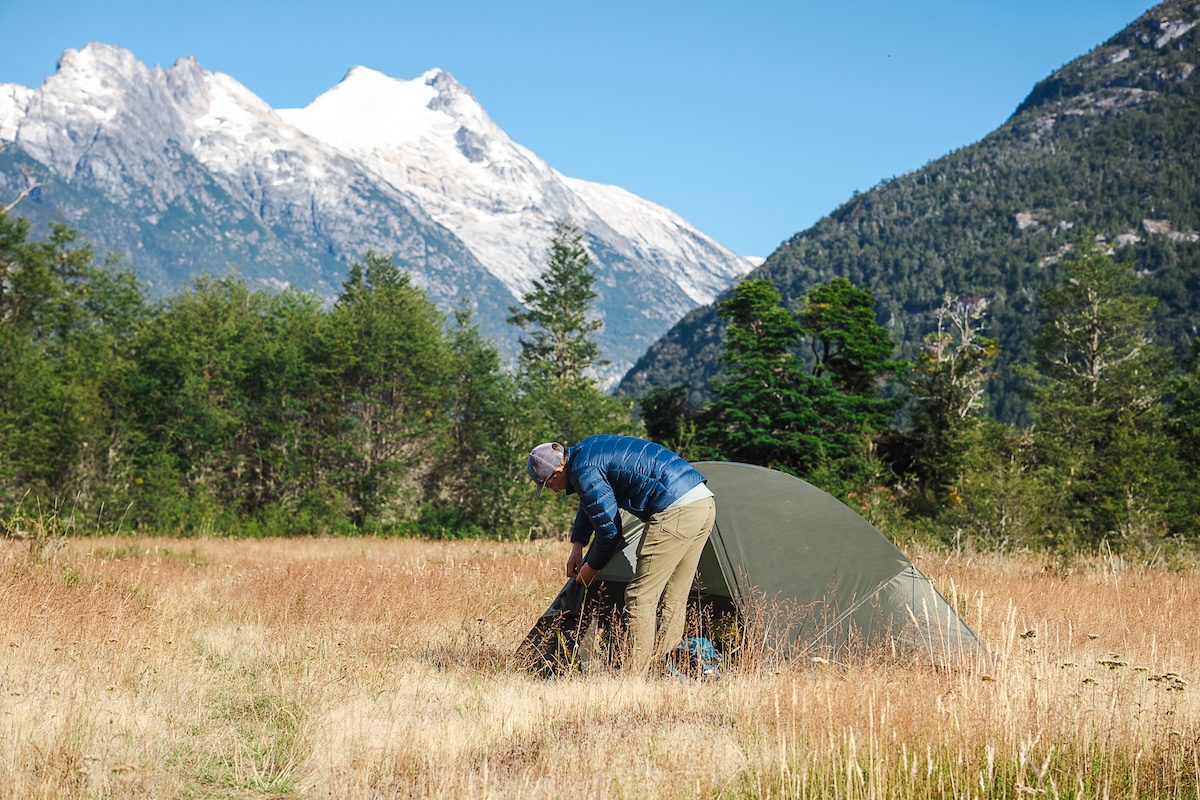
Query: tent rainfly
x: 827, y: 580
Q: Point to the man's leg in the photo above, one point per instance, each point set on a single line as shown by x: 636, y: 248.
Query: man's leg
x: 668, y: 539
x: 698, y: 518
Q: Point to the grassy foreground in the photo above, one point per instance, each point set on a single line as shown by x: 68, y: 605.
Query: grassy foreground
x: 373, y: 668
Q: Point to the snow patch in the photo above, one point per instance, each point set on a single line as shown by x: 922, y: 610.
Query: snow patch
x: 706, y: 268
x: 232, y: 108
x: 369, y: 110
x: 13, y: 101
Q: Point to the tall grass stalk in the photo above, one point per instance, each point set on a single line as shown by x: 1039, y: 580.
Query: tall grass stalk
x: 383, y: 668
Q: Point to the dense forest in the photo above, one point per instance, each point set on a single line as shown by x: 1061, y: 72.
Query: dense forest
x: 223, y: 410
x: 1107, y: 147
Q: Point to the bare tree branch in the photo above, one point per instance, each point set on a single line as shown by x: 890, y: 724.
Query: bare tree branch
x: 32, y: 185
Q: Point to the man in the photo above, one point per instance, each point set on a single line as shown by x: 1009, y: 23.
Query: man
x: 610, y: 473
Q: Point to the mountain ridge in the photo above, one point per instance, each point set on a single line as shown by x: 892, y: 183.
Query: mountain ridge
x: 1108, y: 144
x: 182, y: 171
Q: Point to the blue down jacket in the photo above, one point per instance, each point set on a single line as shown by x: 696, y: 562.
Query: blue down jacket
x: 620, y: 472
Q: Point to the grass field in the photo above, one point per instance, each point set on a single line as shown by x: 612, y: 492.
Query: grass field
x: 383, y: 668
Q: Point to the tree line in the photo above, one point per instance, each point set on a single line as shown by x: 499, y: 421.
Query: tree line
x: 225, y: 409
x: 228, y: 409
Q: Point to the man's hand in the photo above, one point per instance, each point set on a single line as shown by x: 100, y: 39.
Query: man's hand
x: 574, y: 560
x: 586, y: 574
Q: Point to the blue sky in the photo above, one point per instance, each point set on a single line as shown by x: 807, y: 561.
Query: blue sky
x: 750, y: 120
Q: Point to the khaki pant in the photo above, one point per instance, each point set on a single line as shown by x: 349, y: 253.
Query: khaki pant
x: 667, y: 556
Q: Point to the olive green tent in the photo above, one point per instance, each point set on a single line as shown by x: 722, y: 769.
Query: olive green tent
x: 817, y: 573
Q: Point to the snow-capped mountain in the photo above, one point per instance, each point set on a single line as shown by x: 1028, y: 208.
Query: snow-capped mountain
x: 185, y: 171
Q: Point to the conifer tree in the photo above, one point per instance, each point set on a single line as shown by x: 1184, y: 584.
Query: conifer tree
x: 1184, y: 427
x: 556, y: 316
x: 844, y: 339
x: 672, y: 422
x: 65, y: 325
x: 473, y: 487
x: 559, y: 351
x: 771, y: 408
x: 854, y: 354
x: 224, y: 397
x: 391, y: 367
x: 1098, y: 400
x: 766, y: 407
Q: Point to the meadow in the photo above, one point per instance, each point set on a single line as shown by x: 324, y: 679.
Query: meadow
x: 379, y: 668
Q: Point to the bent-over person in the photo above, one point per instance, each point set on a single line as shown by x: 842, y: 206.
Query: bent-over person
x: 610, y: 473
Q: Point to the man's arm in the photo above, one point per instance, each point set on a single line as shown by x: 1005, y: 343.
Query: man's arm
x: 581, y: 531
x: 598, y: 513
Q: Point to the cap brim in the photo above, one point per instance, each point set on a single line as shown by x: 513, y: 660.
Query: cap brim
x: 538, y: 493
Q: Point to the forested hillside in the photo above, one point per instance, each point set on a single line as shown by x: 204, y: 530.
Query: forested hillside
x: 1106, y: 147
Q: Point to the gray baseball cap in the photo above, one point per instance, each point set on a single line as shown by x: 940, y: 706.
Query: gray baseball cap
x: 544, y: 459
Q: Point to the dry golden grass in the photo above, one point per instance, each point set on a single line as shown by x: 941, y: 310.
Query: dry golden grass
x: 370, y: 668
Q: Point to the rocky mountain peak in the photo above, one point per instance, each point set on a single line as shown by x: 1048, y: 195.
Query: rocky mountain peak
x: 1157, y: 52
x: 100, y: 60
x: 452, y: 97
x: 186, y: 170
